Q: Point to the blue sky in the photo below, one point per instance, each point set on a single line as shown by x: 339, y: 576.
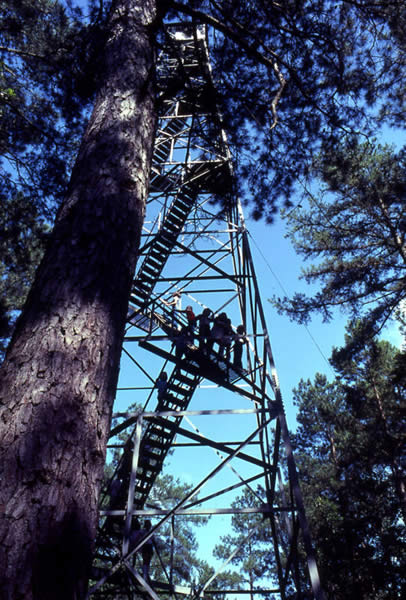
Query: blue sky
x: 299, y: 351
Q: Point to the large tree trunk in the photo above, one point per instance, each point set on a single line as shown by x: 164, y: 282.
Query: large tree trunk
x: 58, y: 382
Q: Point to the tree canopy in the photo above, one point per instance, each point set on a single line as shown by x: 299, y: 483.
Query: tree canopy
x: 350, y: 452
x: 295, y: 77
x: 41, y: 101
x: 289, y: 77
x: 291, y: 80
x: 45, y: 86
x: 250, y: 535
x: 354, y: 227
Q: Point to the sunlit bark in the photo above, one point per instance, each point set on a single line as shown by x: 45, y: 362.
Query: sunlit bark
x: 58, y: 381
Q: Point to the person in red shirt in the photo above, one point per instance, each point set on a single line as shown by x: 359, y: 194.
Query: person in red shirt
x: 191, y: 318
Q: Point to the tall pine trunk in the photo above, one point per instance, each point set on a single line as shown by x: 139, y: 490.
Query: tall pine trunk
x: 58, y: 381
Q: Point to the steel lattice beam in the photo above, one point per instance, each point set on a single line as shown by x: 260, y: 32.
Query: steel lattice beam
x: 193, y: 246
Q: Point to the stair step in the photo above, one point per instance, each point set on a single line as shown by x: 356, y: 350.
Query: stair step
x: 179, y: 214
x: 158, y: 254
x: 140, y: 284
x: 155, y: 260
x: 184, y: 196
x: 172, y: 226
x: 136, y: 300
x: 162, y: 243
x: 182, y: 205
x: 162, y: 148
x: 175, y: 221
x: 149, y: 452
x: 173, y: 229
x: 159, y: 432
x: 159, y: 446
x: 143, y: 478
x: 173, y: 387
x: 138, y: 297
x: 163, y: 140
x: 184, y: 378
x: 175, y: 123
x: 142, y: 291
x: 172, y: 398
x: 148, y: 470
x: 170, y: 426
x: 151, y: 271
x: 173, y: 404
x: 168, y: 238
x: 147, y: 280
x: 141, y: 486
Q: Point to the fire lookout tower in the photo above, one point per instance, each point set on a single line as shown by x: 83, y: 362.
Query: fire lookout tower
x: 218, y: 418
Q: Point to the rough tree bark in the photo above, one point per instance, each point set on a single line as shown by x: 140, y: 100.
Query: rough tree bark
x: 58, y: 381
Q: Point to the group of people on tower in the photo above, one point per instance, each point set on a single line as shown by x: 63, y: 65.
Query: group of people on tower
x: 209, y: 329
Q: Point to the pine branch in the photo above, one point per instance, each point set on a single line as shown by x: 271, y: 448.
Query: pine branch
x: 22, y: 52
x: 250, y: 49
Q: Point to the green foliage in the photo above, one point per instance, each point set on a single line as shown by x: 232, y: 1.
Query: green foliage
x: 293, y: 77
x: 50, y: 62
x: 48, y: 70
x: 166, y: 493
x: 22, y: 239
x: 355, y: 229
x: 177, y: 537
x: 225, y: 580
x: 251, y: 535
x: 40, y: 101
x: 350, y: 449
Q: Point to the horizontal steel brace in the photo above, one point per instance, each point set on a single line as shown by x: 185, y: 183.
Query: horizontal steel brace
x: 151, y: 512
x: 222, y: 448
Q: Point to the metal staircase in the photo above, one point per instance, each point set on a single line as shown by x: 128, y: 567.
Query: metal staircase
x: 160, y: 249
x: 160, y: 431
x: 199, y: 248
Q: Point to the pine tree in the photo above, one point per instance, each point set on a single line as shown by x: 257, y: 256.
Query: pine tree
x: 349, y: 446
x: 42, y: 99
x: 251, y: 537
x: 59, y: 376
x: 21, y: 245
x: 355, y: 229
x: 58, y: 381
